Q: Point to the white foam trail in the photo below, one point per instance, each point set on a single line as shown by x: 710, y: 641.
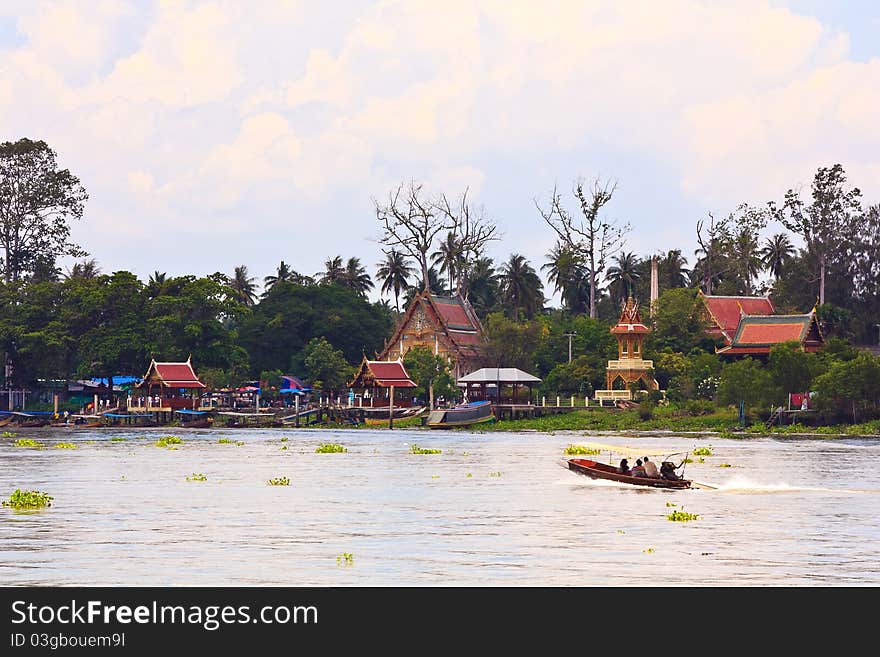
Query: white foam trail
x: 745, y: 485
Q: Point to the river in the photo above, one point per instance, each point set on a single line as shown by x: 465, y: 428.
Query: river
x: 492, y: 509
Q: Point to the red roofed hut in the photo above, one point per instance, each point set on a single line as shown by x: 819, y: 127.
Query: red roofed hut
x: 375, y: 382
x: 167, y: 387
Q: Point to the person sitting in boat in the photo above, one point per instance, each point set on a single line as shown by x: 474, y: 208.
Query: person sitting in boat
x: 650, y: 469
x: 639, y: 469
x: 624, y: 467
x: 667, y: 471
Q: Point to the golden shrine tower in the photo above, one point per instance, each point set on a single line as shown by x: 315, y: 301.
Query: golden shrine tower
x: 629, y: 368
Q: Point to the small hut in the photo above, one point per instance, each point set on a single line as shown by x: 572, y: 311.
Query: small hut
x: 167, y: 387
x: 489, y: 383
x: 374, y: 383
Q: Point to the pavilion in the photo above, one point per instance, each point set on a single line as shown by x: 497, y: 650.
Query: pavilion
x: 168, y: 387
x: 375, y: 381
x: 489, y: 382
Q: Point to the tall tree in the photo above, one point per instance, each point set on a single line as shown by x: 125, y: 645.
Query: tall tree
x: 521, y: 287
x: 283, y: 274
x: 776, y: 252
x: 829, y: 223
x: 356, y: 277
x: 482, y: 285
x: 623, y: 275
x: 565, y: 271
x: 394, y: 273
x: 672, y: 269
x: 591, y: 236
x: 243, y: 285
x: 38, y: 201
x: 334, y: 271
x: 85, y: 269
x: 449, y: 258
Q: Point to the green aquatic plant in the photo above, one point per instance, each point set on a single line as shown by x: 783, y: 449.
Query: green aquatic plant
x: 27, y: 442
x: 284, y: 439
x: 649, y: 550
x: 415, y: 449
x: 669, y: 504
x: 225, y: 441
x: 197, y: 476
x: 8, y: 434
x: 620, y: 531
x: 284, y: 448
x: 494, y: 474
x: 345, y: 559
x: 581, y: 449
x: 724, y: 465
x: 279, y: 481
x: 65, y: 446
x: 239, y: 443
x: 167, y: 441
x: 330, y: 448
x: 117, y: 439
x: 682, y: 516
x: 469, y: 474
x: 702, y: 451
x: 28, y: 499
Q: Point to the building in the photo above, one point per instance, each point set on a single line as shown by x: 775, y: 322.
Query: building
x: 168, y: 387
x: 375, y: 381
x: 447, y: 326
x: 748, y: 326
x: 630, y: 369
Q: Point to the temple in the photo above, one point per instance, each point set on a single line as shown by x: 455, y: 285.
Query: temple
x: 747, y: 326
x: 447, y: 326
x: 630, y: 369
x: 375, y: 380
x: 167, y: 387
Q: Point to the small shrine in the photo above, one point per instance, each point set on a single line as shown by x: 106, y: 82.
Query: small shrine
x: 630, y: 368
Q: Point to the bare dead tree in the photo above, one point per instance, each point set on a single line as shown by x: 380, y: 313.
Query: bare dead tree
x: 589, y: 235
x: 712, y: 240
x: 410, y: 222
x: 471, y: 231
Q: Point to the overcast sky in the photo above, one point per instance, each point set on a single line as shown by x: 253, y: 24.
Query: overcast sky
x: 215, y: 134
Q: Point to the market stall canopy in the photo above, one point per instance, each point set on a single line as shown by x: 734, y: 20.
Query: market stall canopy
x: 498, y: 375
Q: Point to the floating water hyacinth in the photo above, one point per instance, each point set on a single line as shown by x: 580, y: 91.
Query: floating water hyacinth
x: 580, y: 449
x: 345, y: 559
x: 682, y: 516
x: 28, y: 499
x: 279, y: 481
x: 330, y: 448
x: 167, y: 441
x: 702, y: 451
x: 415, y: 449
x: 197, y: 476
x: 65, y: 446
x: 225, y: 441
x: 27, y: 442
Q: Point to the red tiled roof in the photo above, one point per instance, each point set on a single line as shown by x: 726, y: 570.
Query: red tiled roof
x: 172, y: 375
x: 466, y: 338
x: 387, y: 369
x: 769, y: 333
x: 725, y: 311
x: 397, y: 383
x: 453, y: 313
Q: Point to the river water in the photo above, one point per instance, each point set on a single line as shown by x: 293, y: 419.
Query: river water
x: 492, y: 509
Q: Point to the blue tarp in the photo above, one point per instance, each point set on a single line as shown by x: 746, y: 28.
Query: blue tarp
x: 128, y: 415
x: 117, y: 380
x: 293, y: 391
x: 186, y: 412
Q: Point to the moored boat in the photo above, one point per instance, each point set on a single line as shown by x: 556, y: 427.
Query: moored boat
x: 463, y: 415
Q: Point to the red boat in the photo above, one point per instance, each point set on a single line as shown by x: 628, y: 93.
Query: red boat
x: 597, y: 470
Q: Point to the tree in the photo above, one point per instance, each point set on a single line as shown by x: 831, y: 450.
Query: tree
x: 38, y: 201
x: 593, y: 238
x: 85, y: 269
x: 791, y: 368
x: 745, y: 381
x: 394, y: 273
x: 623, y: 275
x: 829, y: 223
x: 776, y: 252
x: 565, y: 271
x: 851, y: 386
x: 510, y: 343
x: 677, y: 324
x: 325, y: 366
x: 284, y: 274
x: 521, y: 287
x: 449, y: 258
x: 672, y: 270
x: 482, y: 286
x: 243, y: 286
x: 355, y: 277
x: 431, y: 374
x: 334, y: 271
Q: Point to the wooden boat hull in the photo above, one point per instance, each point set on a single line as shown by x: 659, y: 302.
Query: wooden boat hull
x: 197, y: 424
x: 6, y: 420
x: 596, y: 470
x: 461, y: 416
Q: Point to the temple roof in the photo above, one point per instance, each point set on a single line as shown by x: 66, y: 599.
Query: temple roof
x: 382, y: 373
x: 758, y: 333
x: 172, y: 375
x: 726, y: 311
x: 630, y: 320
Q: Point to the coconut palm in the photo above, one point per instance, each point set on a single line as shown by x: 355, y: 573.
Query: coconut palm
x: 355, y: 276
x: 449, y: 258
x: 157, y: 285
x: 566, y: 272
x: 87, y: 269
x: 777, y: 251
x: 671, y: 270
x: 283, y: 274
x: 395, y: 272
x: 623, y: 276
x: 244, y: 286
x: 334, y: 271
x: 747, y: 259
x: 482, y: 290
x: 521, y: 287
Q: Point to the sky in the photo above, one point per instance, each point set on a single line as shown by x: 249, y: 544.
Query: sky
x: 210, y: 135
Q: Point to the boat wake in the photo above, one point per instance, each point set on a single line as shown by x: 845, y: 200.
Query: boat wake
x: 742, y: 484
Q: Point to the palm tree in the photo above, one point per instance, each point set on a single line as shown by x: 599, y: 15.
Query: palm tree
x: 395, y: 273
x: 245, y: 289
x: 672, y: 270
x: 747, y: 259
x: 482, y: 290
x: 283, y: 274
x: 450, y: 259
x: 157, y: 285
x: 566, y: 272
x: 355, y: 276
x: 521, y: 287
x: 434, y: 286
x: 87, y: 269
x: 334, y: 271
x: 623, y: 275
x: 777, y: 251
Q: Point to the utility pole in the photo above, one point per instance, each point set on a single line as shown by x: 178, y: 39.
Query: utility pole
x: 570, y: 335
